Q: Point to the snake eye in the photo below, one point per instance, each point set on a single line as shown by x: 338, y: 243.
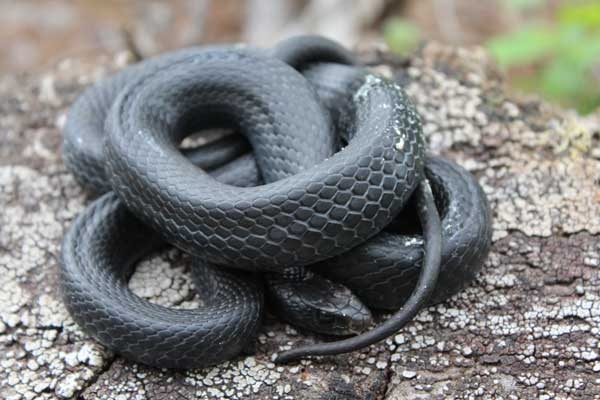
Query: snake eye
x: 324, y: 317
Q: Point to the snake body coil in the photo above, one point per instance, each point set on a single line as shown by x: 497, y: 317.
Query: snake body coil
x: 293, y: 208
x: 102, y: 304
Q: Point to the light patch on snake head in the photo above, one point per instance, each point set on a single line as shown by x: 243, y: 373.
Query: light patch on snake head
x: 401, y: 138
x: 400, y: 144
x: 370, y: 82
x: 413, y: 241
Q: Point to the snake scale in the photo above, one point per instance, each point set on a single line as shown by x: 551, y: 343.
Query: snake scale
x: 321, y: 205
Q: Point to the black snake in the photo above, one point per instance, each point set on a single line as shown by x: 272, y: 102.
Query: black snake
x: 326, y: 205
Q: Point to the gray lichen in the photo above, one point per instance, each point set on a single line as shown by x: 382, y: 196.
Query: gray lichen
x: 529, y: 327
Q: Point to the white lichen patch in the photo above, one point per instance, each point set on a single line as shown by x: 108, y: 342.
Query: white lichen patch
x: 44, y: 353
x: 400, y: 138
x: 450, y: 111
x: 162, y: 279
x: 540, y: 197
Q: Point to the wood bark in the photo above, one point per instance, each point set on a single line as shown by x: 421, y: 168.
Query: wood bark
x: 529, y: 327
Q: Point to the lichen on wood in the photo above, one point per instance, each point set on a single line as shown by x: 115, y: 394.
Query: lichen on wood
x: 529, y: 327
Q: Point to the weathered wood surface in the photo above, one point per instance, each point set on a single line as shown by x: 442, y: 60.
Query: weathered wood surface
x: 528, y: 328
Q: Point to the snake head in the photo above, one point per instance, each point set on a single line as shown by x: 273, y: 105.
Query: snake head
x: 318, y: 304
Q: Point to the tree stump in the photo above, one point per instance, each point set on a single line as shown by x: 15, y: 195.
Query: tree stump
x: 529, y: 327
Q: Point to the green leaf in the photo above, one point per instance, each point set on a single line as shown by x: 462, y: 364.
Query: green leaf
x: 562, y: 79
x: 402, y: 36
x: 585, y: 14
x: 570, y: 84
x: 576, y: 46
x: 523, y: 47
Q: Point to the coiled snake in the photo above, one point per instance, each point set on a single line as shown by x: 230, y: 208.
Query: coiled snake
x: 321, y: 191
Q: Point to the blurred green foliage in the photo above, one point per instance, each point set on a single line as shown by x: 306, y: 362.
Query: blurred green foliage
x: 564, y: 55
x: 401, y: 35
x: 557, y: 57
